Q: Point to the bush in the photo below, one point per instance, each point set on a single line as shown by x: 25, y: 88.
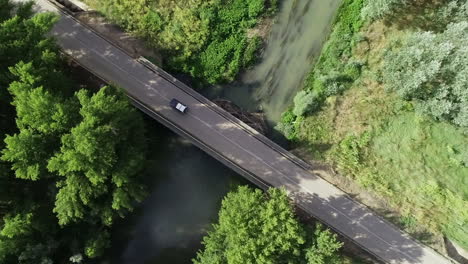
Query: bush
x: 333, y: 72
x: 454, y: 11
x: 432, y: 69
x: 353, y: 70
x: 376, y: 9
x: 305, y: 101
x: 258, y: 228
x: 349, y: 153
x: 206, y: 39
x: 253, y: 45
x: 436, y: 12
x: 221, y: 60
x: 256, y: 7
x: 287, y: 125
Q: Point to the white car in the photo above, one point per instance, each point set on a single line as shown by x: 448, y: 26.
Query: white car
x: 178, y: 106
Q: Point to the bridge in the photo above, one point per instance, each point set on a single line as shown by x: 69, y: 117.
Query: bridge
x: 235, y: 144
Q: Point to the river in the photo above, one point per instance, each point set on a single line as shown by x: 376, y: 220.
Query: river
x: 184, y: 203
x: 294, y: 42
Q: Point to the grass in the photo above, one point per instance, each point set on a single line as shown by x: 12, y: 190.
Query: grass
x: 418, y: 165
x: 337, y: 50
x: 205, y: 39
x: 415, y: 149
x: 421, y: 164
x: 334, y: 70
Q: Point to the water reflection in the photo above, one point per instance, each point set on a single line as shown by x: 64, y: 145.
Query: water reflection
x: 181, y: 207
x: 296, y: 39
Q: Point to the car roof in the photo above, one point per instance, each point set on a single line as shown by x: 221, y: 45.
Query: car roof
x: 181, y: 107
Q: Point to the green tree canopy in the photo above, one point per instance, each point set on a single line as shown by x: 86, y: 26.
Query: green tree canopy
x: 432, y: 68
x: 97, y: 138
x: 254, y: 227
x: 41, y: 118
x: 100, y: 159
x: 22, y: 38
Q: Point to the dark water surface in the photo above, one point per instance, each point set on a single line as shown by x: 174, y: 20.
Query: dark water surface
x: 186, y: 200
x: 295, y: 42
x: 182, y: 205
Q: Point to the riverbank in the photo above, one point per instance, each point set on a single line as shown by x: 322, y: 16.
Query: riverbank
x: 399, y: 161
x: 295, y: 41
x: 209, y: 40
x: 184, y: 186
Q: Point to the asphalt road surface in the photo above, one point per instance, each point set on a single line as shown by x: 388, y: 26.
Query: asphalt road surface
x: 231, y: 142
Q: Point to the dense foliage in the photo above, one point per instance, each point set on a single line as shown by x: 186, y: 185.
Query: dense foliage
x: 432, y: 68
x: 254, y: 227
x: 435, y: 13
x: 381, y: 8
x: 335, y: 69
x: 206, y: 39
x: 70, y: 161
x: 400, y: 129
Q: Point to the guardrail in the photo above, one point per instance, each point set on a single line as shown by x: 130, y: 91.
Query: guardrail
x: 220, y: 157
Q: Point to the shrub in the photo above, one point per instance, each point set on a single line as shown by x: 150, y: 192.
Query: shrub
x: 432, y: 69
x: 221, y: 60
x: 350, y: 151
x: 376, y: 9
x: 206, y: 39
x: 256, y: 7
x: 353, y: 70
x: 333, y: 72
x: 253, y: 45
x: 454, y: 11
x: 286, y: 125
x: 305, y: 101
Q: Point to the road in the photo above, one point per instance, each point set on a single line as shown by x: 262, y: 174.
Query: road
x: 233, y: 143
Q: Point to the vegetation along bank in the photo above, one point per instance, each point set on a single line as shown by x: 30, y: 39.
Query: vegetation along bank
x: 387, y: 105
x: 206, y: 39
x: 73, y: 160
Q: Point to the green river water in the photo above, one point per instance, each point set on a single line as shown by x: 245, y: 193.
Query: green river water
x: 171, y: 222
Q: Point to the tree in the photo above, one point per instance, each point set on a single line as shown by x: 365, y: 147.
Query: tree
x: 100, y: 159
x: 5, y: 10
x: 18, y: 225
x: 376, y: 9
x: 254, y: 227
x: 23, y: 241
x: 28, y: 152
x: 323, y: 247
x: 22, y: 38
x: 55, y: 128
x: 41, y: 118
x: 96, y: 245
x: 41, y: 109
x: 432, y: 69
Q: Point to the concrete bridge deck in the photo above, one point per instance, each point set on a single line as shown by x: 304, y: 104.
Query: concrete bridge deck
x: 235, y: 144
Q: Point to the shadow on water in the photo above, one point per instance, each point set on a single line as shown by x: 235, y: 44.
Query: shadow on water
x: 184, y: 201
x: 185, y: 198
x: 294, y: 43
